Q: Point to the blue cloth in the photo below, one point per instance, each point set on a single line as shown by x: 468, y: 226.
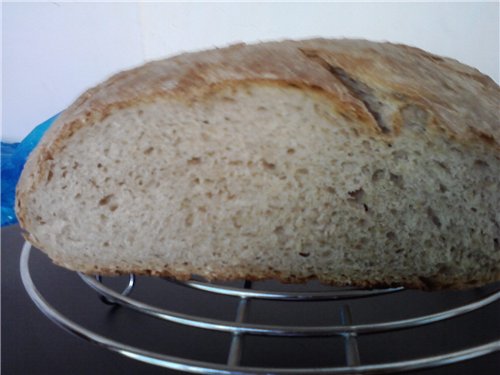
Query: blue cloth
x: 14, y: 156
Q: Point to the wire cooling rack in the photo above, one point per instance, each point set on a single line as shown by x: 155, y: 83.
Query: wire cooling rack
x: 240, y: 328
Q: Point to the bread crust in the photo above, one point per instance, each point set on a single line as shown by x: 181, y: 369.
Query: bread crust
x: 463, y: 103
x: 420, y: 283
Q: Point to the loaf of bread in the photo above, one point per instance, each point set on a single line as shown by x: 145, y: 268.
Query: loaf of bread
x: 348, y: 161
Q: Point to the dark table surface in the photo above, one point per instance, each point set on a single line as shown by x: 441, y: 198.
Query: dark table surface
x: 32, y: 344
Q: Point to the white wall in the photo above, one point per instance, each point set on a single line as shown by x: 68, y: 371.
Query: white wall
x: 54, y: 51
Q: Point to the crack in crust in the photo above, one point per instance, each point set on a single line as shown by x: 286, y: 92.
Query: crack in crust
x: 360, y: 90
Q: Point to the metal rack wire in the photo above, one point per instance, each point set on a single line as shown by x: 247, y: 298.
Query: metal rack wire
x: 238, y: 328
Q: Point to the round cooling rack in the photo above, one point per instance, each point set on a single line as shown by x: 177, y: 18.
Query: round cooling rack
x: 239, y: 328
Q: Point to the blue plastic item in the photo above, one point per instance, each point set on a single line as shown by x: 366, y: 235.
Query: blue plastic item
x: 14, y: 156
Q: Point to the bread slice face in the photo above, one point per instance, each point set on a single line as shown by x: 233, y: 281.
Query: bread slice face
x: 351, y: 162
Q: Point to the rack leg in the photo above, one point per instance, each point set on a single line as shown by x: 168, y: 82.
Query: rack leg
x: 126, y: 291
x: 350, y: 339
x: 236, y: 348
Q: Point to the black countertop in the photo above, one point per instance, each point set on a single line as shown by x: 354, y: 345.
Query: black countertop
x: 32, y: 344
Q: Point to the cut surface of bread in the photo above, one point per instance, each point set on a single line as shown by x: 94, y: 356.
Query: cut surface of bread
x: 351, y: 162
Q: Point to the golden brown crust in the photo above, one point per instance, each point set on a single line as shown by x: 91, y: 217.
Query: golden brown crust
x: 460, y: 99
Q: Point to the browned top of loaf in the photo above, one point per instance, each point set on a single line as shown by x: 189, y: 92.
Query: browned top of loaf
x: 464, y: 102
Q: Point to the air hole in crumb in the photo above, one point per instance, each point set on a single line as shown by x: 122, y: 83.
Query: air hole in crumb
x: 49, y: 176
x: 443, y: 188
x: 77, y: 196
x: 185, y: 203
x: 268, y: 165
x: 189, y: 220
x: 105, y: 200
x: 305, y: 255
x: 206, y: 122
x: 99, y: 165
x: 432, y: 215
x: 278, y: 230
x: 149, y: 150
x: 303, y: 171
x: 76, y: 165
x: 391, y: 235
x: 442, y: 165
x: 331, y: 190
x: 356, y: 195
x: 290, y: 151
x: 496, y: 244
x: 236, y: 222
x: 227, y: 118
x: 480, y: 164
x: 113, y: 207
x: 365, y: 207
x: 105, y: 244
x: 400, y: 155
x: 378, y: 175
x: 397, y: 180
x: 194, y: 161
